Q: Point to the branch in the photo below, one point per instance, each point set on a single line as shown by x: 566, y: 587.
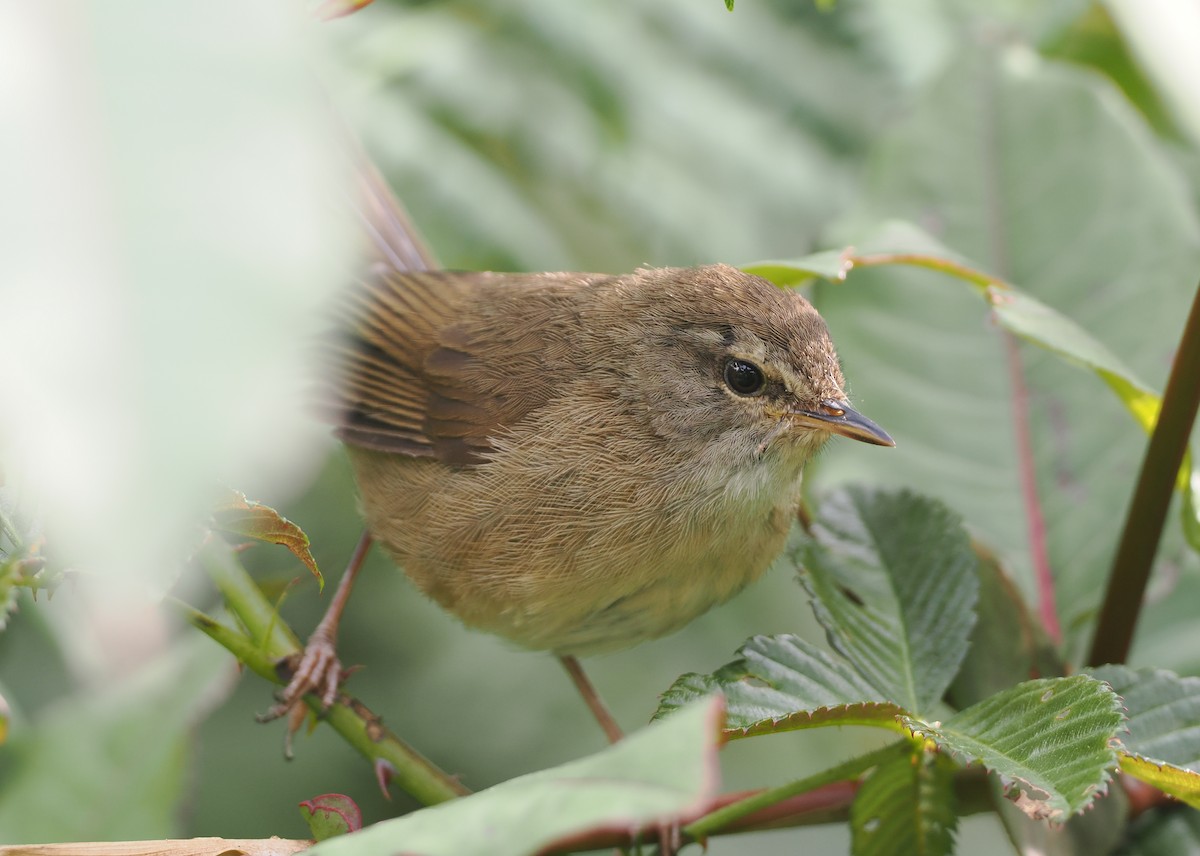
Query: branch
x: 268, y: 640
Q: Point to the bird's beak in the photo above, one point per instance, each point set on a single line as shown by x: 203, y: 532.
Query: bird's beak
x: 840, y: 418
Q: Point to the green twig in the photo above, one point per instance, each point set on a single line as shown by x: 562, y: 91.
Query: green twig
x: 1151, y: 499
x: 268, y: 640
x: 849, y: 770
x: 246, y: 600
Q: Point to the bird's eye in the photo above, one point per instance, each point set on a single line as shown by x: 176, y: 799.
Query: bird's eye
x: 744, y: 378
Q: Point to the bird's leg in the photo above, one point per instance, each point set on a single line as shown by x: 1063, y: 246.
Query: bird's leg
x: 611, y: 730
x: 317, y: 669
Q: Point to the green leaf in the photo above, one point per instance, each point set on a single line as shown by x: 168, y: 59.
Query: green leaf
x: 1180, y: 783
x: 989, y: 161
x: 485, y: 209
x: 831, y: 265
x: 781, y: 683
x: 663, y: 774
x: 1099, y: 829
x: 1022, y: 315
x: 1007, y: 644
x: 729, y: 5
x: 1036, y: 322
x: 1175, y: 833
x: 893, y: 582
x: 1052, y: 741
x: 330, y: 815
x: 239, y: 516
x: 1163, y: 745
x: 906, y: 806
x: 111, y: 765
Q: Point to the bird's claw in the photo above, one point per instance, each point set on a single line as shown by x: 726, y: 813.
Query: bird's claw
x: 314, y: 670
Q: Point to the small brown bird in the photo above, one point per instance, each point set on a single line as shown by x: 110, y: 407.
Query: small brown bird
x: 580, y: 462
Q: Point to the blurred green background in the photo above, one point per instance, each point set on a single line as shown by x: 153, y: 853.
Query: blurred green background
x: 1052, y: 143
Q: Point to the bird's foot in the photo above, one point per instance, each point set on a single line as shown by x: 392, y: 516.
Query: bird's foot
x: 316, y: 670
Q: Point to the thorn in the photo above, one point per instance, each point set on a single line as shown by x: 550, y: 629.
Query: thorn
x: 384, y: 771
x: 295, y: 720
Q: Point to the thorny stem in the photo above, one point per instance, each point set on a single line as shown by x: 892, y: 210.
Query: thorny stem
x: 268, y: 640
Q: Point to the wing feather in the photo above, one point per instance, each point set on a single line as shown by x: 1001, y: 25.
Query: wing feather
x: 434, y: 364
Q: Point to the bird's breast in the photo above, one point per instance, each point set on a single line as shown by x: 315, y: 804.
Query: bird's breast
x: 578, y: 552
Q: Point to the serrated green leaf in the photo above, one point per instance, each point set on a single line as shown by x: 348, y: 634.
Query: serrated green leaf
x: 239, y: 516
x: 1052, y: 741
x: 1163, y: 710
x: 906, y: 806
x: 1163, y: 744
x: 663, y: 774
x: 782, y: 683
x: 893, y: 582
x: 1097, y: 830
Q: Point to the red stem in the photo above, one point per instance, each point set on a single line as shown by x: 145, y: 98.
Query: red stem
x: 1034, y: 521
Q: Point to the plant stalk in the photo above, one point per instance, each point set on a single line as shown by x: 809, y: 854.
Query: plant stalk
x: 847, y: 771
x: 269, y: 640
x: 1151, y: 500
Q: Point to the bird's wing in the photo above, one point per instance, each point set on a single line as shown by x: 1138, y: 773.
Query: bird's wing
x: 435, y: 364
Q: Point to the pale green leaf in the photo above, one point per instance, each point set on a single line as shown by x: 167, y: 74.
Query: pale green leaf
x: 893, y: 582
x: 664, y: 774
x: 831, y: 265
x: 1036, y: 322
x: 1016, y: 311
x: 1051, y: 741
x: 906, y: 806
x: 990, y: 162
x: 114, y: 763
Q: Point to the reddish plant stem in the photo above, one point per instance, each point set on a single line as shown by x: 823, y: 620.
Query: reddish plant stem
x: 1034, y: 520
x: 1151, y: 501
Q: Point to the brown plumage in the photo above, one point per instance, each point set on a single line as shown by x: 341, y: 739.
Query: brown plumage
x: 579, y: 462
